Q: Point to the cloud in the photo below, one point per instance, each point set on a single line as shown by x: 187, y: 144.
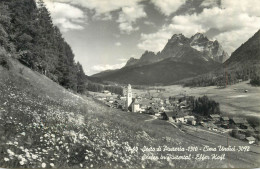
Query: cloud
x: 130, y: 11
x: 167, y: 7
x: 122, y: 59
x: 155, y: 41
x: 210, y: 3
x: 99, y: 68
x: 149, y: 23
x: 66, y: 16
x: 118, y: 44
x: 128, y: 16
x: 236, y: 22
x: 102, y: 6
x: 103, y: 17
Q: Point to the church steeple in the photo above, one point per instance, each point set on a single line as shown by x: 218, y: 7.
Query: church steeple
x: 129, y: 96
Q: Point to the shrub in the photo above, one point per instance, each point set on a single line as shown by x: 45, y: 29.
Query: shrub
x: 255, y: 81
x: 234, y: 133
x: 4, y: 61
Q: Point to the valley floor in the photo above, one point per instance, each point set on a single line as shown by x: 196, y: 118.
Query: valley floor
x: 233, y: 99
x: 43, y: 125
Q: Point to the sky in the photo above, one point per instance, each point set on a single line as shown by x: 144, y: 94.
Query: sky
x: 104, y: 34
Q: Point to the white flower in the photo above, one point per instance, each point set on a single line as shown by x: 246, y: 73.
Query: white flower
x: 86, y: 157
x: 51, y: 164
x: 6, y: 159
x: 81, y: 165
x: 23, y: 133
x: 34, y: 156
x: 21, y: 162
x: 10, y: 152
x: 43, y: 165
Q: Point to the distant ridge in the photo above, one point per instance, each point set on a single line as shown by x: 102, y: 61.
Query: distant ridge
x: 181, y: 58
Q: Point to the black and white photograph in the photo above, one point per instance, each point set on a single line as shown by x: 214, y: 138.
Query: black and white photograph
x: 129, y: 84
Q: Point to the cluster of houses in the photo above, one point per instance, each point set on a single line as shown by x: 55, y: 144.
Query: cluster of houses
x: 175, y: 112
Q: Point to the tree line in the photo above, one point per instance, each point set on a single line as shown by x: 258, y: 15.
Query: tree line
x: 96, y: 87
x: 202, y: 106
x: 27, y: 32
x: 226, y: 77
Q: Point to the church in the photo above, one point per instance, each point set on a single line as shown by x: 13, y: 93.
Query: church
x: 131, y: 103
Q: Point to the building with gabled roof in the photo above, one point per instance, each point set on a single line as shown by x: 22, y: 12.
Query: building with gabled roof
x: 251, y: 140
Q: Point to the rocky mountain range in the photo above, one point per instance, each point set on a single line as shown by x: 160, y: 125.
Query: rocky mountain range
x: 179, y: 45
x: 182, y: 57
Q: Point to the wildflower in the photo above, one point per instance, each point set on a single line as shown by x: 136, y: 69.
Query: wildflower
x: 86, y: 157
x: 34, y: 156
x: 21, y: 162
x: 6, y: 159
x: 23, y: 133
x: 81, y: 165
x: 10, y: 152
x: 43, y: 165
x: 51, y: 164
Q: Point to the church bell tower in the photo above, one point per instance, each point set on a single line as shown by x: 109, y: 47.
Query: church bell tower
x: 129, y: 96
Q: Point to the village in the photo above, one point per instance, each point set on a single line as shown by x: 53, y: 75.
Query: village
x: 178, y: 112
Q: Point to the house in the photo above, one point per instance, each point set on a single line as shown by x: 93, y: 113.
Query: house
x: 241, y: 136
x: 167, y: 102
x: 210, y: 126
x: 214, y: 117
x: 143, y: 108
x: 135, y: 106
x: 189, y: 117
x: 161, y: 109
x: 257, y: 129
x: 179, y: 117
x: 156, y: 99
x: 152, y: 110
x: 251, y: 140
x: 191, y: 121
x: 237, y: 121
x: 100, y: 98
x: 138, y: 98
x: 107, y: 92
x: 169, y: 114
x: 245, y: 126
x: 224, y: 120
x: 169, y: 108
x: 123, y: 98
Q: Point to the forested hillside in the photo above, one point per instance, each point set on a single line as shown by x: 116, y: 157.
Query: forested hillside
x: 28, y: 34
x: 244, y: 64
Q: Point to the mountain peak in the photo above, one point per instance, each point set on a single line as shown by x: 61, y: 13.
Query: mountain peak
x: 199, y: 37
x: 177, y: 37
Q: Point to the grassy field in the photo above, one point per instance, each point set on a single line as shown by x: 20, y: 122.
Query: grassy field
x: 43, y: 125
x: 233, y: 100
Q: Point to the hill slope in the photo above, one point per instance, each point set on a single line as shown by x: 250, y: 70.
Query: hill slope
x: 247, y: 53
x: 163, y: 72
x: 44, y: 125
